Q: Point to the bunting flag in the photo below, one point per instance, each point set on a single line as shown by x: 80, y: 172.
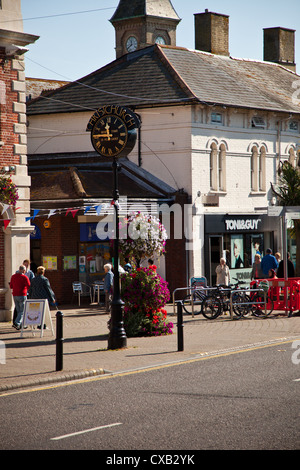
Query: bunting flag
x: 5, y: 222
x: 98, y: 209
x: 51, y: 212
x: 35, y: 213
x: 115, y: 203
x: 73, y: 212
x: 87, y: 209
x: 4, y: 209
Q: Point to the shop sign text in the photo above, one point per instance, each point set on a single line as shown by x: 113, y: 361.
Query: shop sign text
x: 241, y: 224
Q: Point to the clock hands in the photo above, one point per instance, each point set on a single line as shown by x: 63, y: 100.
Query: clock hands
x: 108, y: 135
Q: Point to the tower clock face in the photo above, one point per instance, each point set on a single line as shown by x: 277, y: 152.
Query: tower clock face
x: 131, y: 44
x: 109, y: 135
x: 160, y: 40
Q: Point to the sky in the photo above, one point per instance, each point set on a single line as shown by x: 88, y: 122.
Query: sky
x: 77, y: 38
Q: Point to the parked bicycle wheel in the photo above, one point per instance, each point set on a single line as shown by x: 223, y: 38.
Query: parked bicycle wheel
x: 211, y: 308
x: 258, y: 308
x: 197, y: 300
x: 241, y: 304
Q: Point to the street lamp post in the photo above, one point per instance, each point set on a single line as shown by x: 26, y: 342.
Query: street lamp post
x: 117, y: 337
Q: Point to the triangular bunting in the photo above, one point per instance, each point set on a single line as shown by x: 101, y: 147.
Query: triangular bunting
x: 98, y: 209
x: 51, y: 212
x: 6, y: 222
x: 73, y: 212
x: 87, y: 209
x: 4, y: 209
x: 35, y: 213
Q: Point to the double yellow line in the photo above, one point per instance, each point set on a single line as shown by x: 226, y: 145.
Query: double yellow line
x: 203, y: 357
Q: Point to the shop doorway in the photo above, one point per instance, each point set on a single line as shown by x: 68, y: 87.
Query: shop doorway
x: 215, y: 253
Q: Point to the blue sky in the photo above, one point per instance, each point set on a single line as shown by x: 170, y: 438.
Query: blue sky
x: 72, y: 46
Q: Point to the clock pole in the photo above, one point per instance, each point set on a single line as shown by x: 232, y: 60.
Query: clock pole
x: 117, y: 337
x: 113, y: 134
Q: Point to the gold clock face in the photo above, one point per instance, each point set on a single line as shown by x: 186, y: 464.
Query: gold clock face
x: 109, y: 135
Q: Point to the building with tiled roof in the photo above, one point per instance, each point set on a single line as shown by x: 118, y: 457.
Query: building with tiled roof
x: 36, y: 86
x: 213, y: 128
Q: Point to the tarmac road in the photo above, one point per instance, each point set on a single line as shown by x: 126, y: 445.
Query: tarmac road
x: 247, y: 399
x: 31, y: 360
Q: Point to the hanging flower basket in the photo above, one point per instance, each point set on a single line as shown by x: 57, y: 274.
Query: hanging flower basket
x: 8, y: 191
x: 142, y: 236
x: 145, y: 294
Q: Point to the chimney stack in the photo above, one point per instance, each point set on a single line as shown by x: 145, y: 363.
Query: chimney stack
x: 279, y: 47
x: 212, y: 33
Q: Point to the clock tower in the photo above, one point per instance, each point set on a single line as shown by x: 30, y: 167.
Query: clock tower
x: 140, y: 23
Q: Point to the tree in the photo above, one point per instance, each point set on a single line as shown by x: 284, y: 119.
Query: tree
x: 288, y: 194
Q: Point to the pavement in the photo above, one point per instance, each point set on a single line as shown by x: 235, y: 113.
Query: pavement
x: 30, y: 361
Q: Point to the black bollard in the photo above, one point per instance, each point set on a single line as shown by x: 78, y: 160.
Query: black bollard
x: 179, y: 327
x: 59, y: 341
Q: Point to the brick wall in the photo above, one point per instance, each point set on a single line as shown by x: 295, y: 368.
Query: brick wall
x: 60, y: 240
x: 2, y: 298
x: 7, y: 117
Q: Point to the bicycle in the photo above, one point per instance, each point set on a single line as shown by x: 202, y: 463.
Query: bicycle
x: 262, y: 303
x: 219, y: 301
x: 198, y: 296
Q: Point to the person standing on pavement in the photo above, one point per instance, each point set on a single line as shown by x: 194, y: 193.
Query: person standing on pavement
x: 30, y: 276
x: 268, y: 262
x: 290, y: 268
x: 108, y: 286
x: 19, y: 283
x: 28, y: 271
x: 223, y: 274
x: 40, y: 287
x: 256, y: 272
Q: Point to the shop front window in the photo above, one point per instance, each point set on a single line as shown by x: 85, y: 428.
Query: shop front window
x: 91, y: 261
x: 239, y: 251
x: 94, y: 253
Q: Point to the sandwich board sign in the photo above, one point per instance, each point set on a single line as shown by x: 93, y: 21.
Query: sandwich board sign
x: 36, y: 313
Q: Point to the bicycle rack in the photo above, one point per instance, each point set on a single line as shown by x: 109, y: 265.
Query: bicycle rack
x: 262, y: 289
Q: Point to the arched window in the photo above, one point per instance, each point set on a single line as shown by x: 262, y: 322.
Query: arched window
x: 258, y: 169
x: 217, y: 167
x: 254, y: 169
x: 262, y: 170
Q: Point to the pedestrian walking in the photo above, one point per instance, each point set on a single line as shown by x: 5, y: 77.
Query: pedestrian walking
x: 19, y: 283
x: 40, y: 287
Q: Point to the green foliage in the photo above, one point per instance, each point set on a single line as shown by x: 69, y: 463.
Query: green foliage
x: 145, y: 294
x: 288, y: 189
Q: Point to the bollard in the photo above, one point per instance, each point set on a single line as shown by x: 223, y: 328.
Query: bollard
x: 179, y: 327
x: 59, y: 341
